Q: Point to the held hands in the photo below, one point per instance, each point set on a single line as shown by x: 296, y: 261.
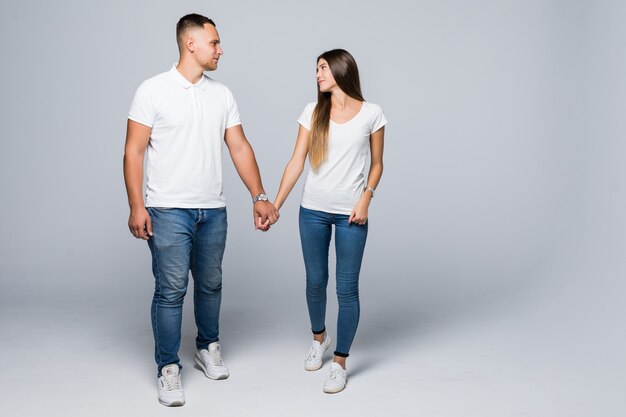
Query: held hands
x: 265, y: 215
x: 265, y: 226
x: 140, y: 224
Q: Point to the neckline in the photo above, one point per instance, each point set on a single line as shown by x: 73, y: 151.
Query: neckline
x: 353, y: 117
x: 180, y: 78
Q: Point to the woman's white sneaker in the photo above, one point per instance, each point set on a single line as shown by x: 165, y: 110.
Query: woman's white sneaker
x: 336, y: 380
x: 170, y: 386
x: 313, y: 360
x: 210, y: 361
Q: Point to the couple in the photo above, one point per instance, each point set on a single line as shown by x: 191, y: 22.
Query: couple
x: 182, y: 117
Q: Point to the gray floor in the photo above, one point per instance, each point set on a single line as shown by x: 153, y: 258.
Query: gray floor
x: 557, y: 351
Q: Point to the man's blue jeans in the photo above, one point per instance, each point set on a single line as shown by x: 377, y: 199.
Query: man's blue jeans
x: 315, y: 234
x: 186, y: 240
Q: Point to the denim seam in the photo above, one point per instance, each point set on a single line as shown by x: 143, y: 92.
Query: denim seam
x: 156, y: 316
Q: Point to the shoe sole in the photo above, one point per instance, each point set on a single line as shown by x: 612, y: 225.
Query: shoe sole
x: 206, y: 373
x: 173, y: 403
x: 334, y: 390
x: 311, y: 368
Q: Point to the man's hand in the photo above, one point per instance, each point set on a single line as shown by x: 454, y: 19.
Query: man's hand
x: 265, y: 215
x: 140, y: 224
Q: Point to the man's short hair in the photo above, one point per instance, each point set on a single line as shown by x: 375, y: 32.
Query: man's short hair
x: 190, y: 21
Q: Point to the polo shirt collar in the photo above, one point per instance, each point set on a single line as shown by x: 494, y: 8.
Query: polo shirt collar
x: 178, y: 77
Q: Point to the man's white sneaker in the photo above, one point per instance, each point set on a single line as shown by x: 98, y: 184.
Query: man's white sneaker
x: 336, y: 380
x: 210, y: 361
x: 170, y: 386
x: 313, y: 360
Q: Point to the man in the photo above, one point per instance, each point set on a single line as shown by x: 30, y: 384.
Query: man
x: 181, y: 117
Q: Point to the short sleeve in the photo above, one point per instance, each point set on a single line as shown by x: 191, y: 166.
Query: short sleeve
x: 142, y: 109
x: 232, y: 112
x: 378, y: 119
x: 306, y: 115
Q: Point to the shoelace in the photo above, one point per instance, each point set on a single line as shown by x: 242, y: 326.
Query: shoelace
x: 216, y: 358
x: 335, y: 374
x: 313, y: 353
x: 171, y: 382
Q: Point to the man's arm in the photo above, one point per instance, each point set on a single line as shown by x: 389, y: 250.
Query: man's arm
x: 265, y: 214
x: 137, y: 137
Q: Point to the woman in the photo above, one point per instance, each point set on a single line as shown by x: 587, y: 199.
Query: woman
x: 338, y: 133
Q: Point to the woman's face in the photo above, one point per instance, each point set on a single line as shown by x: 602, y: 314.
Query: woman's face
x: 325, y: 80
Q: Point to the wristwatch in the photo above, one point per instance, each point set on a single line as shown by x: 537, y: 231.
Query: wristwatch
x: 260, y: 197
x: 370, y: 189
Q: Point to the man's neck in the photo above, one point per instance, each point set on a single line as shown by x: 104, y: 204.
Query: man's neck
x: 190, y: 70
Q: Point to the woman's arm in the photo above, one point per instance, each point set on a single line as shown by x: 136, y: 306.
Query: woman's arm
x: 359, y: 213
x: 294, y: 167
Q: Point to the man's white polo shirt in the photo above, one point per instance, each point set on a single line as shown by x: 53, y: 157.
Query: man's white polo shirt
x: 184, y: 158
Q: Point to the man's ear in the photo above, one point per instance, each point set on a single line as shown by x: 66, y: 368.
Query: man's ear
x: 190, y: 44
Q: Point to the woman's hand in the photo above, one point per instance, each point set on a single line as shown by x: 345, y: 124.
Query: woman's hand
x: 359, y: 212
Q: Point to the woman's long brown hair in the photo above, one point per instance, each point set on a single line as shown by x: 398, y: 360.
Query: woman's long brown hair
x: 346, y: 73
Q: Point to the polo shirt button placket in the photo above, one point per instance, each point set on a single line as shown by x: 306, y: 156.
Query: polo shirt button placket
x: 196, y: 100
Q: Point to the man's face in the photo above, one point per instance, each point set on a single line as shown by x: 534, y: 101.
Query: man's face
x: 207, y: 51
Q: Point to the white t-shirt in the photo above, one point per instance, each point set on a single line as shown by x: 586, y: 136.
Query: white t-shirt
x: 337, y: 185
x: 188, y: 121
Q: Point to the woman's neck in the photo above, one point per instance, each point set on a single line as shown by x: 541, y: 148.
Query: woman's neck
x: 341, y: 101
